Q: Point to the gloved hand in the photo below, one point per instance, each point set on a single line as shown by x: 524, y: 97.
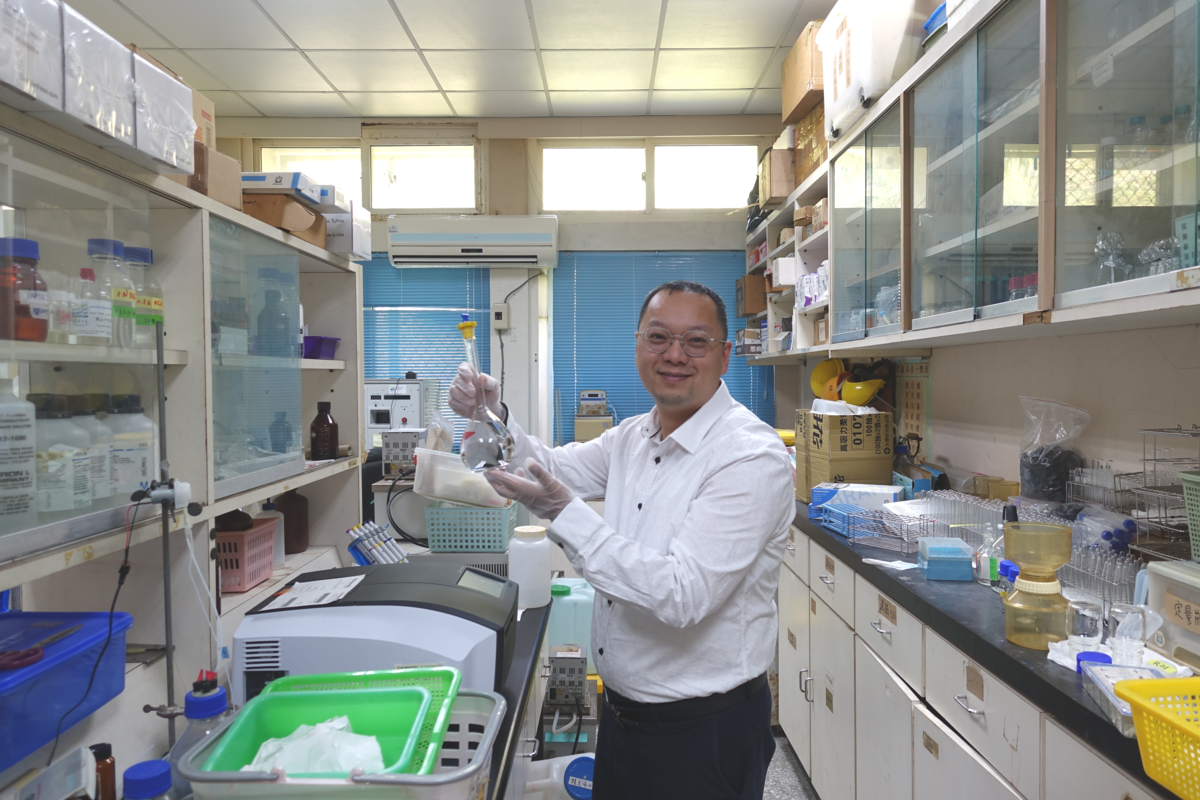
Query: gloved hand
x: 464, y: 388
x: 533, y: 487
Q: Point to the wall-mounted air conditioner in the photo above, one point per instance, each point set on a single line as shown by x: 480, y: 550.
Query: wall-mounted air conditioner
x: 486, y: 241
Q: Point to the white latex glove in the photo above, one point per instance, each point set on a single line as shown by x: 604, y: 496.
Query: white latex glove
x: 533, y: 487
x: 464, y: 389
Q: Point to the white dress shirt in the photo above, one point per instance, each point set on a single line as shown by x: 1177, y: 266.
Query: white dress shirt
x: 686, y: 559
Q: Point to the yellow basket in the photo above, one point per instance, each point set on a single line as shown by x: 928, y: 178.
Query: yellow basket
x: 1166, y: 713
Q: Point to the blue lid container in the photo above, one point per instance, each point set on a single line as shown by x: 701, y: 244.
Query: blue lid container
x: 945, y: 559
x: 12, y: 247
x: 139, y: 255
x: 147, y: 780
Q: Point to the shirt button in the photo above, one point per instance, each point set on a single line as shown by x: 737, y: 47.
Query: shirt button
x: 601, y: 651
x: 610, y: 602
x: 639, y: 506
x: 657, y: 459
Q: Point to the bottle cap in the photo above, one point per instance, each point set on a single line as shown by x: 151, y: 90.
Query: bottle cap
x: 101, y: 751
x: 578, y: 776
x: 50, y: 406
x: 106, y: 247
x: 126, y: 404
x: 530, y: 531
x: 324, y: 408
x: 139, y: 255
x: 1010, y: 513
x: 147, y: 780
x: 87, y: 274
x: 410, y: 376
x: 205, y: 706
x: 268, y: 505
x: 1094, y: 656
x: 559, y: 590
x: 13, y: 247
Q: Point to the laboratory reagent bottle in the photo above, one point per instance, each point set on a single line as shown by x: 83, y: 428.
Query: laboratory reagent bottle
x: 149, y: 295
x: 281, y: 432
x: 64, y: 467
x: 106, y: 771
x: 204, y: 707
x: 274, y: 328
x: 294, y: 508
x: 108, y: 263
x: 18, y: 462
x: 323, y: 434
x: 83, y: 414
x: 529, y: 566
x: 24, y: 303
x: 135, y: 444
x: 149, y: 780
x: 91, y: 315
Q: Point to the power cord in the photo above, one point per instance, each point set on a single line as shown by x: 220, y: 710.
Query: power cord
x: 500, y: 335
x: 579, y: 725
x: 392, y: 495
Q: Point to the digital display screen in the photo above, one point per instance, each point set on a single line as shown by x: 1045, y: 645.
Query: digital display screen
x: 376, y: 397
x: 395, y: 397
x: 481, y: 583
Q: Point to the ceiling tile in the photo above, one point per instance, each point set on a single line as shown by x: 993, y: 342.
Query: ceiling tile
x: 399, y: 104
x: 299, y: 104
x: 586, y: 24
x: 681, y: 103
x: 118, y: 23
x: 354, y: 24
x: 197, y: 76
x: 726, y: 23
x: 373, y: 70
x: 499, y: 104
x: 212, y: 23
x: 261, y: 70
x: 774, y: 77
x: 468, y: 24
x: 230, y: 105
x: 766, y: 101
x: 599, y: 104
x: 576, y: 70
x: 709, y: 69
x: 485, y: 70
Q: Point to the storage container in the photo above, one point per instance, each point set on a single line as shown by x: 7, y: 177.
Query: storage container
x: 945, y: 559
x: 571, y: 615
x: 836, y: 516
x: 1167, y: 717
x: 444, y: 476
x: 1190, y: 479
x: 34, y: 698
x: 320, y: 346
x: 247, y: 557
x: 454, y: 528
x: 1099, y: 681
x: 1174, y: 592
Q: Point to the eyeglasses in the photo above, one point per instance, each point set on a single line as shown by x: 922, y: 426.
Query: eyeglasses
x: 695, y: 343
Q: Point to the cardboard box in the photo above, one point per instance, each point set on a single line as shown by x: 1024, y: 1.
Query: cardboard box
x: 802, y: 215
x: 870, y: 495
x: 588, y: 428
x: 776, y: 177
x: 750, y: 295
x: 31, y: 61
x: 847, y: 437
x: 296, y: 184
x: 748, y: 342
x: 349, y: 234
x: 216, y: 175
x: 811, y: 146
x: 821, y: 331
x: 289, y: 214
x: 332, y: 200
x: 802, y: 79
x: 820, y: 214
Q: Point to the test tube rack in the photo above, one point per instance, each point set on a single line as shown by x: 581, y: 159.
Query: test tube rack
x: 891, y: 532
x: 1099, y: 576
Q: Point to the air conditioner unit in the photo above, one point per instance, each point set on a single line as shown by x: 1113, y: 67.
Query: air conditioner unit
x: 488, y: 241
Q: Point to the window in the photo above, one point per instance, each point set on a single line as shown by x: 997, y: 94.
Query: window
x: 1020, y: 175
x: 423, y: 177
x: 704, y: 176
x: 340, y: 166
x: 594, y: 179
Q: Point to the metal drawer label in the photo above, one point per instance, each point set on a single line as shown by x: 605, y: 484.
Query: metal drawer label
x: 887, y: 610
x: 975, y: 681
x: 813, y: 602
x: 930, y: 744
x: 829, y: 564
x: 791, y: 638
x: 829, y: 699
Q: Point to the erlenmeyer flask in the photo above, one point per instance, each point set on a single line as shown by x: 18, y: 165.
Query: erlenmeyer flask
x: 486, y: 443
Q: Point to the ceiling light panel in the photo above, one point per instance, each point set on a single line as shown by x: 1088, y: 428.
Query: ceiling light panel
x: 578, y: 70
x: 599, y: 104
x: 499, y: 104
x: 118, y: 23
x: 348, y: 25
x: 229, y: 104
x: 709, y: 69
x: 588, y: 25
x: 699, y: 103
x: 373, y: 70
x: 468, y: 24
x: 261, y: 70
x: 726, y: 23
x: 211, y: 23
x: 399, y: 104
x: 299, y: 104
x: 766, y: 101
x: 485, y: 70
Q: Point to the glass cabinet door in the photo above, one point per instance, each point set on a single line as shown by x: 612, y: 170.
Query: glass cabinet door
x: 848, y: 266
x: 254, y: 312
x: 1127, y: 89
x: 884, y: 186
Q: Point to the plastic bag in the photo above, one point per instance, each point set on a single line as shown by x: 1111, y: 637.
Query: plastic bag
x: 440, y: 433
x: 329, y: 746
x: 1046, y: 456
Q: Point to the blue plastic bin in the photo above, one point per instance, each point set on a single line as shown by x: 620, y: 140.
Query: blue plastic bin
x: 34, y: 698
x: 936, y: 20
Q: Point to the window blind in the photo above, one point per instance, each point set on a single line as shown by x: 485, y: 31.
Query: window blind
x: 409, y: 323
x: 597, y: 297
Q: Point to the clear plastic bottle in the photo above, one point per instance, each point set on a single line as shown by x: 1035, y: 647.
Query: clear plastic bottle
x: 149, y: 780
x: 18, y: 461
x: 149, y: 294
x: 529, y: 566
x: 91, y: 315
x: 205, y: 708
x: 60, y: 290
x: 64, y: 467
x: 83, y: 414
x: 135, y: 444
x: 109, y: 269
x: 486, y: 443
x: 24, y: 303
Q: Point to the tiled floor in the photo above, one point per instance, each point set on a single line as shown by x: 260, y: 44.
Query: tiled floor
x: 786, y: 779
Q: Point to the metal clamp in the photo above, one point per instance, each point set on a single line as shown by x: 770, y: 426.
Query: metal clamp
x: 879, y: 628
x: 961, y: 699
x: 536, y: 744
x: 804, y: 682
x: 825, y: 580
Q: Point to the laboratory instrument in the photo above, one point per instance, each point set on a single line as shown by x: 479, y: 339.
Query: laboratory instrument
x: 399, y: 447
x: 392, y: 404
x: 204, y: 707
x: 149, y: 780
x: 529, y: 565
x: 15, y: 659
x: 323, y: 434
x: 399, y: 614
x: 1035, y: 612
x: 567, y: 684
x: 486, y: 442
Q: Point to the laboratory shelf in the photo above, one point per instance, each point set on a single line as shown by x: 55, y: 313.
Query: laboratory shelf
x: 818, y: 241
x: 815, y: 307
x: 787, y: 357
x: 1133, y: 39
x: 89, y: 354
x: 320, y: 471
x: 239, y: 361
x: 1011, y: 221
x: 314, y: 558
x: 812, y: 189
x: 790, y: 243
x: 1024, y: 108
x: 759, y: 315
x: 322, y: 363
x: 756, y: 266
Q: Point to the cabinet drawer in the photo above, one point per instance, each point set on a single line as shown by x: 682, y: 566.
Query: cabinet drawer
x: 1075, y: 770
x: 946, y: 768
x: 831, y: 693
x: 892, y: 632
x: 883, y: 709
x: 1003, y: 726
x: 832, y: 581
x: 795, y: 555
x: 794, y: 669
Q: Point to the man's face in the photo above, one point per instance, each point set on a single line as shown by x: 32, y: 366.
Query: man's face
x: 676, y: 380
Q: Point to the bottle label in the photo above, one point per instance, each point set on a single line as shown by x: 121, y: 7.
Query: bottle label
x: 55, y: 480
x: 100, y: 455
x: 145, y: 301
x: 132, y: 461
x: 60, y: 309
x: 123, y: 295
x: 124, y: 312
x: 38, y: 302
x: 81, y: 483
x: 18, y: 465
x: 149, y: 310
x: 92, y: 318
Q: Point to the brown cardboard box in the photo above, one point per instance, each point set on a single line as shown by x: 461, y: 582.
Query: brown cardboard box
x: 287, y: 213
x: 823, y: 470
x: 821, y: 331
x: 816, y: 465
x: 751, y: 295
x: 803, y: 215
x: 811, y: 147
x: 204, y: 112
x: 802, y: 83
x: 846, y: 437
x: 776, y: 177
x: 747, y: 342
x: 216, y: 175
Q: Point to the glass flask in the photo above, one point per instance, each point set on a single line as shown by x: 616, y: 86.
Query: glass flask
x: 486, y: 443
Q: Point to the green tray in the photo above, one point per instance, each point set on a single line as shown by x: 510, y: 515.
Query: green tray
x: 393, y: 716
x: 1191, y: 501
x: 441, y: 682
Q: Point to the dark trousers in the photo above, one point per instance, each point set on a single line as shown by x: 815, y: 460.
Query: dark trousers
x: 719, y: 756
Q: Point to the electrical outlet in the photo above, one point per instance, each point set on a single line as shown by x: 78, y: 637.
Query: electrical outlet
x: 500, y: 316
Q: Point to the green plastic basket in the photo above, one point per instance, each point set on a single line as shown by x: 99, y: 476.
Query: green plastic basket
x: 1191, y: 500
x: 454, y: 528
x: 394, y: 716
x: 441, y: 682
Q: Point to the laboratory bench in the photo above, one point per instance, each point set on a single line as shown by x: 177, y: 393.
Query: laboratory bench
x: 522, y: 692
x: 968, y: 618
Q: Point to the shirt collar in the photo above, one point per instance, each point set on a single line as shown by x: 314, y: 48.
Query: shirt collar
x: 690, y: 434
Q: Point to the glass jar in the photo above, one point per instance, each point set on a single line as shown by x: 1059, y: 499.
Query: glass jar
x: 24, y: 302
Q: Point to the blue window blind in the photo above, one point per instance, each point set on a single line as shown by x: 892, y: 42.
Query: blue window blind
x: 410, y: 318
x: 597, y: 297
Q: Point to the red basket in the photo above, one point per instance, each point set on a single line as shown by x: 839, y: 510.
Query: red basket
x: 246, y: 556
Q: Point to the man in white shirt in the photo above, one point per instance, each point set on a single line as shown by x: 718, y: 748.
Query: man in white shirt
x: 698, y: 498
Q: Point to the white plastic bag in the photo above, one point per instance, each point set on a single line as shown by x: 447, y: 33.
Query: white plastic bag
x: 329, y: 746
x: 440, y: 433
x: 1046, y: 456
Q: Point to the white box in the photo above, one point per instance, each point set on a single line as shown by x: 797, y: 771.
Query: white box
x: 785, y: 271
x: 296, y: 184
x: 866, y: 495
x: 349, y: 234
x: 165, y: 130
x: 332, y: 200
x: 31, y: 54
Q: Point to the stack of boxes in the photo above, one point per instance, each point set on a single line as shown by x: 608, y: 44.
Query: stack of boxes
x: 852, y: 448
x: 803, y: 102
x: 317, y: 213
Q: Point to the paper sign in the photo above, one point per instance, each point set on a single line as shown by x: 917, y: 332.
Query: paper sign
x: 829, y: 565
x: 315, y: 593
x: 791, y: 638
x: 1183, y: 613
x: 975, y: 681
x: 930, y: 744
x: 1102, y: 73
x: 887, y: 610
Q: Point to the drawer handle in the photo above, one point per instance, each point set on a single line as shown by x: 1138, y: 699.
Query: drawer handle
x: 961, y: 699
x: 791, y: 548
x: 825, y: 580
x: 547, y: 670
x: 536, y: 744
x: 879, y: 629
x: 804, y: 682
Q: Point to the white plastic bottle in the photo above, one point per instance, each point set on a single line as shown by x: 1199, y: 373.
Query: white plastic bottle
x: 529, y: 565
x: 100, y: 453
x: 64, y: 467
x: 269, y: 512
x: 18, y: 462
x: 135, y: 444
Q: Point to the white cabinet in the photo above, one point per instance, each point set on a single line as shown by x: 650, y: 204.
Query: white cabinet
x: 1003, y: 726
x: 1075, y: 770
x: 831, y: 643
x: 795, y: 677
x: 883, y: 710
x: 946, y: 768
x: 895, y: 634
x: 795, y: 554
x: 832, y: 581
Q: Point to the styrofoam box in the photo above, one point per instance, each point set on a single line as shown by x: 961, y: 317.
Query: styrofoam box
x: 296, y: 184
x: 349, y: 234
x: 867, y: 495
x: 332, y: 200
x: 31, y: 54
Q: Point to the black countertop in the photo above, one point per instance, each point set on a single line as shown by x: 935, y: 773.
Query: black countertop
x: 971, y: 618
x: 531, y: 629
